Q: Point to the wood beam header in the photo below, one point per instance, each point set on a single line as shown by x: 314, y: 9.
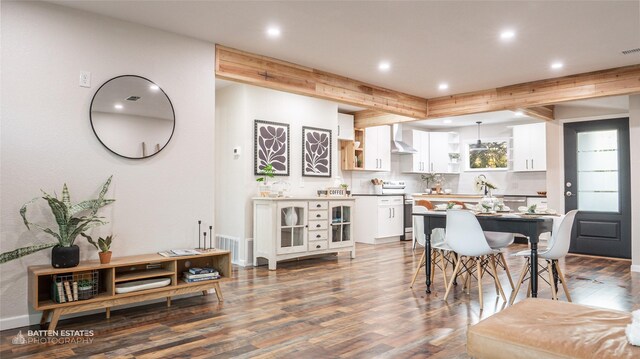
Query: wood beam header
x: 236, y: 65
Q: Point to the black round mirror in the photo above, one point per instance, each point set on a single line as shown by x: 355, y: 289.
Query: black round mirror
x: 132, y: 117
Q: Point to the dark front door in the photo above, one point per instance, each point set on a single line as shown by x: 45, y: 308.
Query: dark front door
x: 598, y: 184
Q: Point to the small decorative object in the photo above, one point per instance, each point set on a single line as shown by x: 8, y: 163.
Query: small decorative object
x: 210, y: 237
x: 482, y: 185
x: 336, y: 191
x: 439, y: 181
x: 85, y: 289
x: 322, y: 192
x: 263, y: 186
x: 71, y: 220
x: 454, y: 157
x: 633, y: 330
x: 377, y: 185
x: 316, y: 152
x: 199, y: 246
x: 103, y: 245
x: 356, y: 144
x: 532, y: 209
x: 271, y: 146
x: 290, y: 216
x: 205, y: 239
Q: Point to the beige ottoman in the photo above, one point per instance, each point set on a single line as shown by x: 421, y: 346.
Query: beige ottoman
x: 543, y: 328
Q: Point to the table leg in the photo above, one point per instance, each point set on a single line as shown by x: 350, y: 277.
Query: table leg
x: 534, y: 269
x: 427, y: 249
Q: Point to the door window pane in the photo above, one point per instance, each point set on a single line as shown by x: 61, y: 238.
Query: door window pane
x: 346, y: 232
x: 336, y: 233
x: 298, y: 236
x: 285, y: 237
x: 598, y: 171
x: 346, y: 214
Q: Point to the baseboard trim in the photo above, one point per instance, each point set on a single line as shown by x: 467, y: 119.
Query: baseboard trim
x: 635, y: 268
x: 19, y: 321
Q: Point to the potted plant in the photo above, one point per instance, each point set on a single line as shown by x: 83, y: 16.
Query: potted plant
x: 263, y: 186
x: 103, y: 245
x: 85, y: 289
x: 426, y: 178
x: 72, y: 219
x: 454, y: 157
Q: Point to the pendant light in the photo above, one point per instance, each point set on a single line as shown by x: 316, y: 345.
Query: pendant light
x: 478, y: 145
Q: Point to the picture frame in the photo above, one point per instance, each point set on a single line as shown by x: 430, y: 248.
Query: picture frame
x: 271, y: 145
x: 495, y: 156
x: 316, y: 152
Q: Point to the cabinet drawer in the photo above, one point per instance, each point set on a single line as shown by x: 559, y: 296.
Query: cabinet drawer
x: 318, y: 235
x: 389, y: 200
x: 318, y: 215
x: 318, y: 245
x: 317, y: 225
x: 318, y: 205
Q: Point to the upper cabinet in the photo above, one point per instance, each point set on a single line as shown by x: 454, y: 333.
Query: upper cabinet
x: 434, y: 149
x: 377, y: 148
x: 529, y: 147
x: 345, y: 127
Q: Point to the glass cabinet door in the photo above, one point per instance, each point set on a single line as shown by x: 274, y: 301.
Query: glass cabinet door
x: 292, y: 219
x: 341, y: 231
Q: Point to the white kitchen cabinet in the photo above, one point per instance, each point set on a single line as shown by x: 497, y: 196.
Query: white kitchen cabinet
x: 341, y: 233
x: 377, y: 148
x: 417, y: 162
x: 387, y: 211
x: 291, y: 228
x: 529, y: 148
x: 438, y: 152
x: 345, y: 129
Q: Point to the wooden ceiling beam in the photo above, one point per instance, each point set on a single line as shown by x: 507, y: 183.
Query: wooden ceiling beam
x: 541, y: 112
x: 370, y: 118
x: 611, y: 82
x: 236, y: 65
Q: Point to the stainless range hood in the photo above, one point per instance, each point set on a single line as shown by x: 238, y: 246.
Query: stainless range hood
x: 397, y: 145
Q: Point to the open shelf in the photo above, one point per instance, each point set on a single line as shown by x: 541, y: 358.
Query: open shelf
x: 142, y: 274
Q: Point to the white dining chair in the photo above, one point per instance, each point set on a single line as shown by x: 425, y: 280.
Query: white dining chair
x: 439, y: 249
x: 500, y: 241
x: 557, y: 249
x: 465, y: 236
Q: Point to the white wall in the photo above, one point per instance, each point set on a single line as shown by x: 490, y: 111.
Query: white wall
x: 634, y: 135
x: 46, y: 136
x: 237, y: 106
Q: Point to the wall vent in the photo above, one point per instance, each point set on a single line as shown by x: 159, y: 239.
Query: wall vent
x: 631, y: 51
x: 241, y: 252
x: 133, y: 98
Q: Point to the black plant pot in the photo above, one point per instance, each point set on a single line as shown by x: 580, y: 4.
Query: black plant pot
x: 65, y: 257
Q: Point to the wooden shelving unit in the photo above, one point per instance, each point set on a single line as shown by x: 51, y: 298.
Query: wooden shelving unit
x: 352, y: 157
x: 122, y: 270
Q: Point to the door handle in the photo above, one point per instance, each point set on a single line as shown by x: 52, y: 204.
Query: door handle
x: 318, y: 236
x: 568, y: 194
x: 318, y: 246
x: 338, y: 130
x: 393, y: 210
x: 527, y: 164
x: 389, y: 212
x: 318, y: 205
x: 431, y: 166
x: 532, y: 163
x: 318, y: 215
x: 318, y: 225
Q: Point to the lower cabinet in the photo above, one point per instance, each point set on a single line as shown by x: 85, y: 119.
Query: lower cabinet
x: 292, y: 228
x: 389, y: 213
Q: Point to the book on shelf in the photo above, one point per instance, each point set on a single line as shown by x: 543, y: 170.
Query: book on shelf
x: 60, y: 293
x: 179, y: 252
x: 67, y: 289
x: 75, y: 291
x: 196, y: 270
x: 187, y: 280
x: 202, y: 275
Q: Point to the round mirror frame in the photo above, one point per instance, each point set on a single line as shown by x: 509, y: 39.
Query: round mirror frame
x: 173, y: 112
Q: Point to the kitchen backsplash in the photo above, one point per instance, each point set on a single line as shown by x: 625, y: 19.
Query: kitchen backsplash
x: 507, y: 182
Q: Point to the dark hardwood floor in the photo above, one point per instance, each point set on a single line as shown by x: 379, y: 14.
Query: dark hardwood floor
x: 330, y: 307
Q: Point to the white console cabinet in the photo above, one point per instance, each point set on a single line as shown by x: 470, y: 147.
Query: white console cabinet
x: 291, y: 228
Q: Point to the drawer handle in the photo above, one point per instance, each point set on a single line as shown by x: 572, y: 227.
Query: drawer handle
x: 318, y: 246
x: 318, y: 236
x: 318, y: 215
x: 318, y: 205
x: 318, y: 226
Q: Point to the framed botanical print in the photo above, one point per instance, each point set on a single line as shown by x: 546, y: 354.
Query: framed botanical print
x: 316, y: 152
x: 271, y: 146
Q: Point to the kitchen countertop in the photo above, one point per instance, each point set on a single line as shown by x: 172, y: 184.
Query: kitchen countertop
x: 459, y: 195
x: 380, y: 195
x: 330, y: 198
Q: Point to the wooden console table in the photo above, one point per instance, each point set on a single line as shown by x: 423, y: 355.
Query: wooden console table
x: 121, y: 270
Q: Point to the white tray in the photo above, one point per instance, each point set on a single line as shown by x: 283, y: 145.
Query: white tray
x: 138, y: 285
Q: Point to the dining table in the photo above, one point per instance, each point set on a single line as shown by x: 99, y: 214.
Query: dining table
x: 530, y: 226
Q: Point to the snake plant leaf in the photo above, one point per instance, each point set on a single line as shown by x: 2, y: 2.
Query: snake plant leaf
x: 21, y: 252
x: 90, y: 240
x: 89, y: 204
x: 23, y: 212
x: 103, y: 192
x: 66, y: 198
x: 83, y: 226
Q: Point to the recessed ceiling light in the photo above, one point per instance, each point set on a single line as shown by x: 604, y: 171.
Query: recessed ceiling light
x: 557, y: 65
x: 273, y: 32
x: 507, y: 35
x: 519, y: 113
x: 154, y: 87
x: 443, y: 86
x: 446, y: 121
x: 118, y: 106
x: 384, y: 66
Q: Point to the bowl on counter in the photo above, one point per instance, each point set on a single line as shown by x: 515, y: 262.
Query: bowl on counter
x: 356, y: 144
x: 542, y: 193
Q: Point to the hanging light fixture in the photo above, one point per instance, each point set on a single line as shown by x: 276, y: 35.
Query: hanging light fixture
x: 478, y: 145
